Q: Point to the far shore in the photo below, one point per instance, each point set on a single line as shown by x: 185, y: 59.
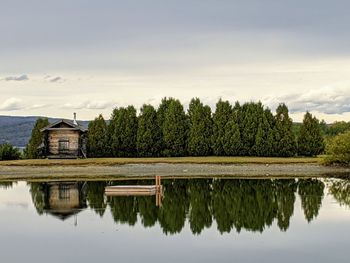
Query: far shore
x: 182, y: 167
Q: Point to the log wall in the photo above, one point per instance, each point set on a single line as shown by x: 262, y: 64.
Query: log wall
x: 55, y: 136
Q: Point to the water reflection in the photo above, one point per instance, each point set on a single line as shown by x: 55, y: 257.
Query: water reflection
x: 238, y: 204
x: 6, y: 185
x: 61, y: 200
x: 341, y: 191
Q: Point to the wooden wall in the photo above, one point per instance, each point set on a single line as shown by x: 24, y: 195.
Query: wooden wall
x: 55, y: 136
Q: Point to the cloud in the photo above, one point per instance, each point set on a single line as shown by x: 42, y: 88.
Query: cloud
x: 90, y: 105
x: 38, y: 106
x: 16, y: 78
x: 328, y: 100
x: 54, y: 79
x: 11, y: 104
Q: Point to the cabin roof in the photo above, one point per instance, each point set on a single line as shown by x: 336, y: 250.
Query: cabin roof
x: 72, y: 126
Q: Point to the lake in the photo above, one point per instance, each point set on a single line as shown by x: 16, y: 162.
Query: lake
x: 198, y: 220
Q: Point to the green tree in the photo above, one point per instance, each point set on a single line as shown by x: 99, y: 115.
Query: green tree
x: 253, y: 113
x: 32, y: 150
x: 148, y: 132
x: 161, y: 112
x: 285, y: 145
x: 97, y: 138
x: 221, y: 117
x: 310, y: 139
x: 8, y: 152
x: 232, y: 139
x: 175, y: 128
x: 264, y: 137
x: 122, y: 132
x: 200, y: 129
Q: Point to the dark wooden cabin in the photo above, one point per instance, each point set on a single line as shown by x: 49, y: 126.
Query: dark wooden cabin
x: 64, y: 139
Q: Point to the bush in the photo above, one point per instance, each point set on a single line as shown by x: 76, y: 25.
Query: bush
x: 338, y: 150
x: 8, y: 152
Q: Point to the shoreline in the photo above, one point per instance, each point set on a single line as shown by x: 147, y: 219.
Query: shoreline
x: 169, y: 170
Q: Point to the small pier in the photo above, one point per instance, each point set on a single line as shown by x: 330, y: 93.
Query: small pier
x: 137, y: 190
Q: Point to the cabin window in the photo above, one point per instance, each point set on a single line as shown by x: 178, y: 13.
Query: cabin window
x: 63, y: 145
x: 64, y: 193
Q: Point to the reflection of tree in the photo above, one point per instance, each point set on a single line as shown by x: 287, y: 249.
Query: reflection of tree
x: 6, y: 185
x: 220, y: 205
x: 148, y: 210
x: 252, y: 204
x: 200, y: 205
x: 38, y: 196
x: 285, y: 198
x: 172, y: 214
x: 123, y: 209
x: 311, y: 195
x: 95, y: 196
x: 245, y: 204
x: 341, y: 191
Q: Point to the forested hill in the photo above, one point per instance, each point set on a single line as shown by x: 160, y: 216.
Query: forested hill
x: 17, y: 130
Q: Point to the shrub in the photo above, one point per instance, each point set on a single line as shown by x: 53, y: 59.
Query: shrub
x: 338, y: 150
x: 8, y: 152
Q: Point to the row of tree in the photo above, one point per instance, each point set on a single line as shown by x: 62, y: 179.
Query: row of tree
x: 232, y: 130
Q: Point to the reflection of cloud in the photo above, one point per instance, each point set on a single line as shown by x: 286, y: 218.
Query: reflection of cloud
x: 91, y: 105
x: 17, y: 78
x: 329, y: 100
x: 11, y: 104
x: 17, y: 204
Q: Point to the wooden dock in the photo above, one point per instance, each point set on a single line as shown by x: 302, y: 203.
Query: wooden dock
x: 121, y: 190
x: 137, y: 190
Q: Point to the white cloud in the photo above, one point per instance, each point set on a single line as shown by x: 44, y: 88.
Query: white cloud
x: 16, y: 78
x: 11, y: 104
x: 90, y: 105
x: 329, y: 100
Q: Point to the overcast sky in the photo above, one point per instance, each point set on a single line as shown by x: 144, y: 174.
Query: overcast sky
x: 57, y: 57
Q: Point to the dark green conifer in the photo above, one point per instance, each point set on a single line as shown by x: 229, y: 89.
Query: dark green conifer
x: 310, y: 139
x: 200, y: 129
x: 35, y: 146
x: 285, y: 139
x: 123, y: 132
x: 148, y: 132
x: 161, y: 111
x: 221, y: 117
x: 97, y: 138
x: 232, y: 139
x: 175, y: 128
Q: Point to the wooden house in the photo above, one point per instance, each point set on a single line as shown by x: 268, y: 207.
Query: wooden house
x: 64, y: 139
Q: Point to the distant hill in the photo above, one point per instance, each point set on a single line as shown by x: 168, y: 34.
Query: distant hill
x: 17, y: 130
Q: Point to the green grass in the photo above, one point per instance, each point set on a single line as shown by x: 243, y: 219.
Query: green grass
x: 170, y: 160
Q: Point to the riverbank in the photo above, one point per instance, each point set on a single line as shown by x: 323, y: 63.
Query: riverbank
x: 164, y: 160
x: 170, y: 170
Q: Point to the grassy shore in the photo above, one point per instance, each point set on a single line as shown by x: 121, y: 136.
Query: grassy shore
x: 170, y: 160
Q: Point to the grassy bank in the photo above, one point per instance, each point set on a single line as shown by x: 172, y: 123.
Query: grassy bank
x: 170, y: 160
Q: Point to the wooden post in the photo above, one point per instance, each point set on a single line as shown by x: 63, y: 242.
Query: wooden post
x: 158, y: 191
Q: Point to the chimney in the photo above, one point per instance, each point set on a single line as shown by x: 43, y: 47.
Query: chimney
x: 75, y: 118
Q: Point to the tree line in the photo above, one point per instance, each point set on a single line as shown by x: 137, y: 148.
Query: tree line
x: 249, y: 129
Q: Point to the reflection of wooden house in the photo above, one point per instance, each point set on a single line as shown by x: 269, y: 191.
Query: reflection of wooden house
x: 64, y: 139
x: 63, y: 200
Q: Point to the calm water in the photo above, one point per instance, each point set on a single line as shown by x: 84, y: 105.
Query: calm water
x: 199, y: 220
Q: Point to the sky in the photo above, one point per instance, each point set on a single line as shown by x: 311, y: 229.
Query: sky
x: 60, y: 57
